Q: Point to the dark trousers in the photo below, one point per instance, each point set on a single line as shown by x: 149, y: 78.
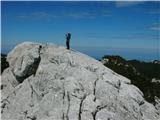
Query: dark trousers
x: 67, y: 44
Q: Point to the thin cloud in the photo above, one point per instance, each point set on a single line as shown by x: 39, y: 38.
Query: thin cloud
x: 87, y: 15
x: 44, y: 14
x: 22, y: 16
x: 154, y: 11
x: 146, y: 36
x: 127, y: 3
x: 134, y: 36
x: 105, y: 13
x: 74, y: 15
x: 155, y: 26
x: 38, y: 15
x: 84, y: 15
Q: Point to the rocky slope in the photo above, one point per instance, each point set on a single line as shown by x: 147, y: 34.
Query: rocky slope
x: 48, y: 82
x: 144, y: 75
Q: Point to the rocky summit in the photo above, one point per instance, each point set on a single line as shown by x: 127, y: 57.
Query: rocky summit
x: 49, y: 82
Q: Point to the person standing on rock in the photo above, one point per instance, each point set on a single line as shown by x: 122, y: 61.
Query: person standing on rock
x: 68, y: 37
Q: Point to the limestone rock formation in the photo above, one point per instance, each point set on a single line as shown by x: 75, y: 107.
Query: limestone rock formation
x: 49, y: 82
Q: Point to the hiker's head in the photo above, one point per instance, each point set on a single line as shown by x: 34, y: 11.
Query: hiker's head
x: 40, y: 46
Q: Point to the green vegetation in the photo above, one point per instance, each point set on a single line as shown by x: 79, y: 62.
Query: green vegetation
x: 150, y: 70
x: 140, y: 74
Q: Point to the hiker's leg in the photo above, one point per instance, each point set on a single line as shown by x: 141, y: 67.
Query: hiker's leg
x: 67, y: 44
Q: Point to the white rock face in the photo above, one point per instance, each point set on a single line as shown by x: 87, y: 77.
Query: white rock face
x: 53, y: 83
x: 26, y: 62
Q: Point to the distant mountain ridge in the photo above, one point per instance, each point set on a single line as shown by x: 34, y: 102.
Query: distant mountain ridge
x: 145, y: 75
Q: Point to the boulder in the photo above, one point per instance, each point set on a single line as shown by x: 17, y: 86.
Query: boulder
x: 24, y: 60
x: 67, y: 85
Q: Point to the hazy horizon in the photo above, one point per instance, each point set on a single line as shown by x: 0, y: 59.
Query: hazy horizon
x: 127, y: 53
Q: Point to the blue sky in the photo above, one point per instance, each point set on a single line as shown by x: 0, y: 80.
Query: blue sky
x: 96, y: 27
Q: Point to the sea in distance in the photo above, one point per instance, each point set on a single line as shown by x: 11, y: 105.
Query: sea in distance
x: 141, y: 54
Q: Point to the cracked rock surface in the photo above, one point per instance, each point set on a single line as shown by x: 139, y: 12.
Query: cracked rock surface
x: 49, y: 82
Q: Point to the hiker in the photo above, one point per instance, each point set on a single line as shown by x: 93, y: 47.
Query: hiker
x: 68, y: 37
